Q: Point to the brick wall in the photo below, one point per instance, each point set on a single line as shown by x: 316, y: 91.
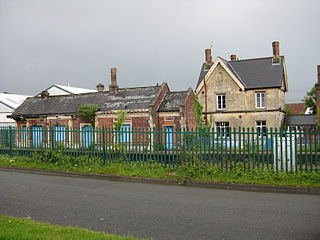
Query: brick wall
x: 189, y: 112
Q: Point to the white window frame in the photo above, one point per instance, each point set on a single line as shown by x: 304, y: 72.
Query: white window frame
x: 261, y: 99
x: 222, y: 101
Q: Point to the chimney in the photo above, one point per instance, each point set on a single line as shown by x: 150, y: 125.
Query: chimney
x: 233, y: 57
x: 100, y: 87
x: 208, y: 56
x: 276, y: 52
x: 44, y: 94
x: 113, y: 86
x: 317, y: 87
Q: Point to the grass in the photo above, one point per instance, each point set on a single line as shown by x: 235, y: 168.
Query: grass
x: 23, y: 229
x: 198, y: 171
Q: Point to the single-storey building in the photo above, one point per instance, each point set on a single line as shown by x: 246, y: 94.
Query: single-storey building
x: 144, y: 107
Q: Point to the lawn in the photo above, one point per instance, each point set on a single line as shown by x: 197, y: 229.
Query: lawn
x: 23, y: 229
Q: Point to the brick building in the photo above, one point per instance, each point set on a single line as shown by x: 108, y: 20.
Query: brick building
x: 145, y: 107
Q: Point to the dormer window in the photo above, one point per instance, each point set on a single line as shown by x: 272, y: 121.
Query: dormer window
x: 221, y: 102
x: 260, y: 100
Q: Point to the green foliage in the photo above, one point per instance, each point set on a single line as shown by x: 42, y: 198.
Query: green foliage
x: 119, y: 123
x: 87, y: 112
x: 58, y: 158
x: 198, y: 110
x: 287, y: 110
x: 310, y: 99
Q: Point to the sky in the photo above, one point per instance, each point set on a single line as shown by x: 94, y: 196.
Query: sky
x: 76, y: 42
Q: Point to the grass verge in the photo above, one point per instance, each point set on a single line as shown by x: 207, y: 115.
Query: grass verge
x: 198, y: 171
x: 18, y: 228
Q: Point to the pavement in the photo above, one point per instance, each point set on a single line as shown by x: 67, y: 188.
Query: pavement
x: 161, y: 212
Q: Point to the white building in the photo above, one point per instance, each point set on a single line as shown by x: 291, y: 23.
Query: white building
x: 57, y: 89
x: 8, y: 103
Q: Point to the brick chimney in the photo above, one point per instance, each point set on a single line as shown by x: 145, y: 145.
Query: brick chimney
x: 317, y: 87
x: 276, y: 52
x: 100, y: 87
x: 233, y: 57
x: 208, y: 56
x: 113, y: 86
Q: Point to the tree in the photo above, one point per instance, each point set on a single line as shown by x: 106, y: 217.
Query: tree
x: 310, y: 99
x: 87, y: 112
x: 119, y: 123
x: 198, y: 114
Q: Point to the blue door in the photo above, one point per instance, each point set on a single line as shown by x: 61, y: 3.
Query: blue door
x: 86, y: 136
x: 169, y: 137
x: 36, y: 136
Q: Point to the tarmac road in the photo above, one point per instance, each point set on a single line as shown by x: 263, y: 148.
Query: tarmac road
x: 158, y: 211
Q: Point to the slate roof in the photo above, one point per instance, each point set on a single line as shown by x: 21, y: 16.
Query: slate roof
x: 122, y: 99
x: 254, y: 73
x: 300, y: 120
x: 173, y: 101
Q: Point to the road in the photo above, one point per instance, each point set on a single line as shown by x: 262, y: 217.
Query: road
x: 158, y: 211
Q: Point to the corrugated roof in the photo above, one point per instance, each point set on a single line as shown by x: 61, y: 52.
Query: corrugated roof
x: 300, y: 120
x: 122, y: 99
x: 173, y: 101
x: 254, y: 73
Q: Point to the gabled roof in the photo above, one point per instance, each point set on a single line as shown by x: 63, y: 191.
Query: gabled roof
x: 122, y: 99
x: 173, y: 101
x: 300, y: 120
x: 12, y: 100
x: 254, y: 73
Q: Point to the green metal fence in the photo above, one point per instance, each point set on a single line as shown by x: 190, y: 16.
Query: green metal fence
x: 289, y: 149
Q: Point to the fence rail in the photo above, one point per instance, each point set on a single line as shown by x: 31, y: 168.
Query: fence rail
x: 278, y: 149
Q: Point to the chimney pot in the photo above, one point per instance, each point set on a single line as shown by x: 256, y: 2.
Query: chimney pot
x: 100, y: 87
x: 318, y: 67
x: 44, y: 94
x: 208, y: 56
x: 233, y: 57
x: 113, y: 86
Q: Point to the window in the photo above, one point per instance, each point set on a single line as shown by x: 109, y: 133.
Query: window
x: 221, y: 102
x: 223, y: 129
x: 261, y: 126
x: 59, y: 133
x: 260, y: 100
x: 24, y: 131
x: 123, y: 134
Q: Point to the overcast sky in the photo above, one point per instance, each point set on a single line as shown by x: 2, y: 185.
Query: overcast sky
x: 76, y: 42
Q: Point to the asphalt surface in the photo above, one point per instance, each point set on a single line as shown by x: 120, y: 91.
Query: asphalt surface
x: 158, y: 211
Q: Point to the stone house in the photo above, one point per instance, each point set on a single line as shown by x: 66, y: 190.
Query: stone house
x: 145, y: 107
x: 247, y: 93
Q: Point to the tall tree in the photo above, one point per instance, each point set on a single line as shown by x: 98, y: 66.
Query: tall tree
x: 310, y: 99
